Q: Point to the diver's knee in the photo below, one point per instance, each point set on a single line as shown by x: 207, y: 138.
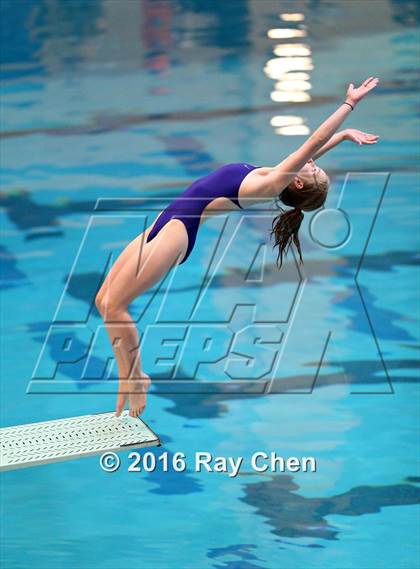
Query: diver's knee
x: 110, y: 310
x: 100, y: 303
x: 108, y: 307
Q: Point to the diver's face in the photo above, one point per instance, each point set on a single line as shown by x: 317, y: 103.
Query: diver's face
x: 307, y: 173
x: 310, y: 169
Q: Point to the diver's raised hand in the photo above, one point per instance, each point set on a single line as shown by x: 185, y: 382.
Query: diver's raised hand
x: 356, y: 94
x: 360, y: 137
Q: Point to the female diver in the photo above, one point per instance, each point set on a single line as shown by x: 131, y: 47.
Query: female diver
x: 296, y: 181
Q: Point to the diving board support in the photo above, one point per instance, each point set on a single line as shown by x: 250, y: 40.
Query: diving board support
x: 65, y: 439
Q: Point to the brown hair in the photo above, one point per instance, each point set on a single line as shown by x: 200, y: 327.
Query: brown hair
x: 285, y: 226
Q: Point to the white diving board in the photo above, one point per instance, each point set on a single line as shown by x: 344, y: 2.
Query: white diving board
x: 65, y: 439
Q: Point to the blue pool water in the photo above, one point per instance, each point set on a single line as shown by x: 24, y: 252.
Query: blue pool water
x: 110, y: 109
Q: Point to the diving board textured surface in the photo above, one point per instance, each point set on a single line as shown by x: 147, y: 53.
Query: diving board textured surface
x: 65, y: 439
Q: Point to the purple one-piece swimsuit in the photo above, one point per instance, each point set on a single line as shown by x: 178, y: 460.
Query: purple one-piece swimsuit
x: 189, y: 205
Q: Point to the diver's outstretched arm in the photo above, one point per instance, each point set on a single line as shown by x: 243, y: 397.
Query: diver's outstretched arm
x: 282, y: 174
x: 351, y: 134
x: 336, y: 139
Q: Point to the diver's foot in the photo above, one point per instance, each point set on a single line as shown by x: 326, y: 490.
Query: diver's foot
x: 122, y: 399
x: 134, y: 390
x: 138, y: 395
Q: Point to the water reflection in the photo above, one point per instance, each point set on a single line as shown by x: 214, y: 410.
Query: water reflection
x: 406, y: 12
x: 290, y: 49
x: 297, y: 85
x: 290, y: 71
x: 291, y: 515
x: 275, y: 68
x: 293, y: 17
x: 241, y: 551
x: 285, y: 33
x: 293, y: 97
x: 289, y: 124
x: 301, y: 129
x: 156, y: 35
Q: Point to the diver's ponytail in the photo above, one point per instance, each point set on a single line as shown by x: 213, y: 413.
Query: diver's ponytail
x: 285, y: 228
